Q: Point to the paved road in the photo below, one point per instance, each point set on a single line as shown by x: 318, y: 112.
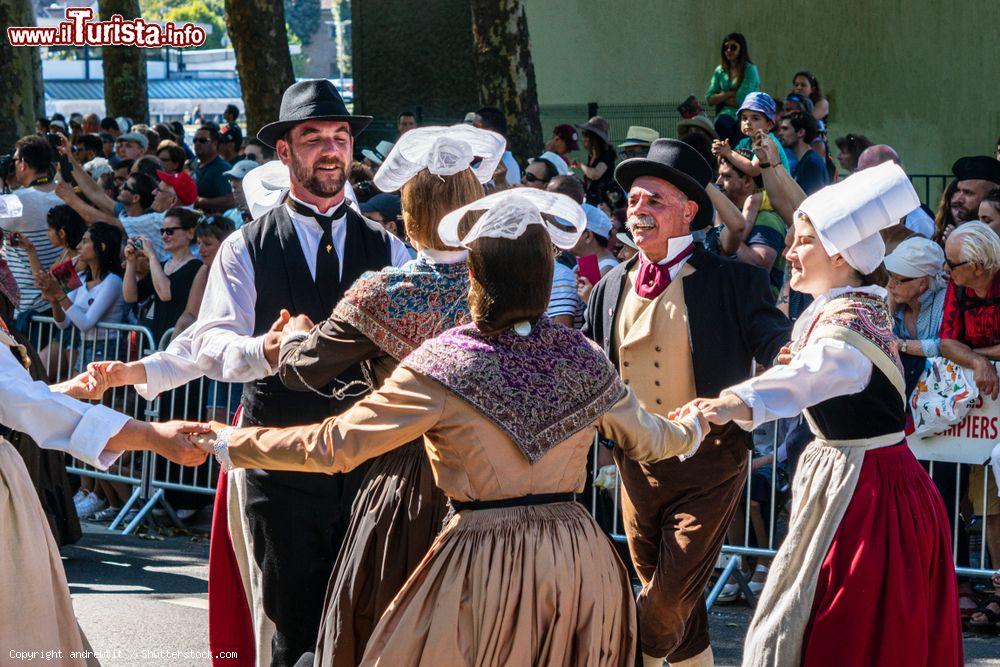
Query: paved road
x: 144, y: 602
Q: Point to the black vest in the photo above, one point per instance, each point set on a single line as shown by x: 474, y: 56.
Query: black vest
x: 282, y: 280
x: 876, y: 410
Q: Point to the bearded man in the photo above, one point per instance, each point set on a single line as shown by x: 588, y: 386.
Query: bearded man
x: 300, y: 256
x: 680, y: 322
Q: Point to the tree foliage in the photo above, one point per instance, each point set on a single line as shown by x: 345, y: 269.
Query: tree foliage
x: 198, y: 11
x: 303, y: 18
x: 208, y: 12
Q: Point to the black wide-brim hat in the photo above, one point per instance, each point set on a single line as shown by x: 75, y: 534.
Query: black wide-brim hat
x: 312, y: 99
x: 679, y: 164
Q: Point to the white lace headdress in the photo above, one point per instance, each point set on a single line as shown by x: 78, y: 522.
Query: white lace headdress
x: 444, y: 151
x: 510, y: 212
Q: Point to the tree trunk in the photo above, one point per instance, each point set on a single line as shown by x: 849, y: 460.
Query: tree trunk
x: 125, y: 92
x: 257, y: 32
x: 505, y: 72
x: 17, y: 77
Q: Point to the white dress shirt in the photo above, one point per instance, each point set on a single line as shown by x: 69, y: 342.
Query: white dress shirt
x: 55, y: 421
x: 220, y: 344
x: 825, y: 368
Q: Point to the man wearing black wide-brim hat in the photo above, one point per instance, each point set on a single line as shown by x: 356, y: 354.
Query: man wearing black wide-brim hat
x: 680, y: 322
x: 309, y: 251
x: 299, y: 257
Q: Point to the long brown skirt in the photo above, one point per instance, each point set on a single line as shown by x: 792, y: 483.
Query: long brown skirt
x: 537, y: 585
x: 396, y: 516
x: 35, y: 610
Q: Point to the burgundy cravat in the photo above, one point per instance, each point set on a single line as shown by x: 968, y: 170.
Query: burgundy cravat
x: 653, y: 278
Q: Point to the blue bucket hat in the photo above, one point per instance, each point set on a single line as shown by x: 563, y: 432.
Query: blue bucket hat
x: 760, y: 102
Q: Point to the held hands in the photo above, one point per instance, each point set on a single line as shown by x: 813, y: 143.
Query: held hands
x: 173, y: 440
x: 117, y: 373
x: 272, y: 339
x: 691, y: 411
x: 206, y: 440
x: 784, y: 356
x: 84, y: 387
x: 716, y: 410
x: 298, y: 324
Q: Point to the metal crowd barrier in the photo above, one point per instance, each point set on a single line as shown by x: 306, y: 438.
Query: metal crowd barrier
x: 68, y: 350
x: 152, y: 476
x: 734, y: 551
x: 200, y: 400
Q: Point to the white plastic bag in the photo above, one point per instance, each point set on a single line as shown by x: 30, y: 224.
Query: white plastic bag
x: 943, y: 396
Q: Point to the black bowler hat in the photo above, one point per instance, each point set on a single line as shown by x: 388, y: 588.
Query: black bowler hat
x: 312, y: 99
x: 977, y: 167
x: 680, y: 165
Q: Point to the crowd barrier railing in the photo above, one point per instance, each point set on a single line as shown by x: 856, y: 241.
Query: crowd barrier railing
x: 757, y: 532
x: 66, y: 352
x: 200, y: 400
x: 152, y: 476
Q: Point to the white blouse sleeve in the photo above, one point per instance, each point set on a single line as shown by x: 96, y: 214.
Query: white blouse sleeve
x: 56, y: 421
x: 220, y: 344
x: 822, y: 370
x: 106, y: 294
x: 400, y: 255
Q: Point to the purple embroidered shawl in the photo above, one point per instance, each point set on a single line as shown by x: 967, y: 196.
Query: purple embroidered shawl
x: 539, y: 389
x: 400, y: 308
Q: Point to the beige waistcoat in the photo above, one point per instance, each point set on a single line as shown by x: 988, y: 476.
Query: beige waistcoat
x: 654, y: 345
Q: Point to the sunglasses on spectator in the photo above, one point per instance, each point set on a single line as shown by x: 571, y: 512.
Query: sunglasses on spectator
x: 168, y: 231
x: 899, y: 281
x: 954, y: 265
x: 531, y: 178
x: 165, y: 158
x: 127, y: 188
x: 732, y: 47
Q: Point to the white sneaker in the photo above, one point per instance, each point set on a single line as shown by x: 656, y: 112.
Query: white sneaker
x: 107, y: 514
x: 730, y: 592
x: 757, y: 586
x: 90, y: 506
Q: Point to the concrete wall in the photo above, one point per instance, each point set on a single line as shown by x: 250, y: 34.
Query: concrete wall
x: 920, y: 75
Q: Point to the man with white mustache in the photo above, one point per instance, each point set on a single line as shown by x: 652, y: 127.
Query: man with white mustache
x: 680, y: 322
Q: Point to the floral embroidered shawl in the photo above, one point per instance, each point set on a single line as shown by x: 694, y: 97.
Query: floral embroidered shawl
x: 400, y: 308
x: 539, y: 389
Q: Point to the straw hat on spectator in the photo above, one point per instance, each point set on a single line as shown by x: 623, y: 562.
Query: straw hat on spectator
x: 638, y: 135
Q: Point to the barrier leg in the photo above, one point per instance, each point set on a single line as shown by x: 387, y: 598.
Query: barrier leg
x: 143, y: 513
x: 136, y: 492
x: 731, y: 570
x: 171, y: 514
